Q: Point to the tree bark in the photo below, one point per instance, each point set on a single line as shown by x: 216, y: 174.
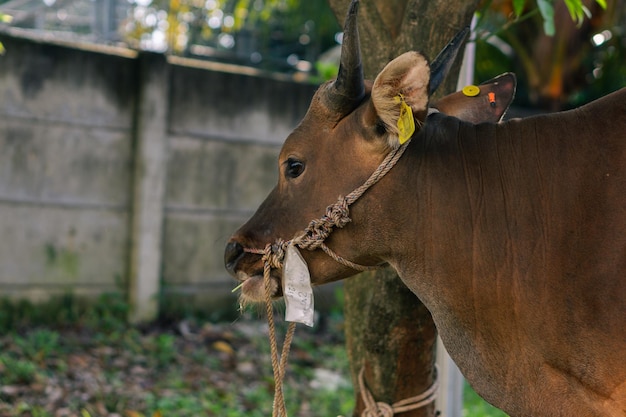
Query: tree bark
x: 388, y: 330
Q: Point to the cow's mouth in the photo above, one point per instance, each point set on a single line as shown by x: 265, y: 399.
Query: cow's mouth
x: 247, y: 267
x: 253, y: 287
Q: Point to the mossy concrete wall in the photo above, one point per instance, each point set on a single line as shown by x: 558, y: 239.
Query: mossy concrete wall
x: 126, y: 171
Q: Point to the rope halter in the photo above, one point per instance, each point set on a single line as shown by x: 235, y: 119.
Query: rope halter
x: 336, y: 217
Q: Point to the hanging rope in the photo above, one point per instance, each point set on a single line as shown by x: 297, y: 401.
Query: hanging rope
x: 279, y: 364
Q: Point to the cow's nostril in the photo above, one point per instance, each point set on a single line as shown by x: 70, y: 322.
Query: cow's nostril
x: 233, y: 252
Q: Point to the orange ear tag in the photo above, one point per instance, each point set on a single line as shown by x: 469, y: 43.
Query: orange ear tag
x: 406, y: 123
x: 471, y: 90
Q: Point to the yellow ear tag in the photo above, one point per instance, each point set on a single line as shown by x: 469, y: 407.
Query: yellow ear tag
x: 471, y: 90
x: 406, y: 123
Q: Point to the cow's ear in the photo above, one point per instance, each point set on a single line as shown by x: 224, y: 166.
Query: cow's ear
x: 484, y: 103
x: 402, y: 83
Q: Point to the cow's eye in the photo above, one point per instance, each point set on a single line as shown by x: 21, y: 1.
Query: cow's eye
x: 293, y: 168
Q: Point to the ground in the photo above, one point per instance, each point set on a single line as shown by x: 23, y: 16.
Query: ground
x: 185, y: 369
x: 73, y: 361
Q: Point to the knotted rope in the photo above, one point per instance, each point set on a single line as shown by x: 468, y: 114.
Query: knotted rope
x: 382, y: 409
x: 337, y: 216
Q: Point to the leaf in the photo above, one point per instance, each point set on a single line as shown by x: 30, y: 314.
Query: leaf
x: 223, y: 347
x: 546, y: 9
x: 577, y: 10
x: 5, y: 18
x: 518, y: 7
x: 84, y: 413
x: 602, y: 3
x: 132, y: 413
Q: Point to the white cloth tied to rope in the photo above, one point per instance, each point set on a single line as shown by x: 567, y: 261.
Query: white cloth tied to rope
x: 297, y: 291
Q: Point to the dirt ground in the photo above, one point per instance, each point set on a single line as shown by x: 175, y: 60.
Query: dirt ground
x: 187, y: 368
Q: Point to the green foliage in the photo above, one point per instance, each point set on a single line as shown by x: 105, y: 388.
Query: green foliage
x: 578, y: 11
x: 108, y: 312
x: 262, y: 33
x: 474, y: 406
x: 173, y: 375
x: 546, y: 8
x: 179, y: 377
x: 4, y: 18
x: 609, y: 71
x: 24, y: 409
x: 164, y: 349
x: 326, y: 70
x: 524, y: 9
x: 576, y: 63
x: 518, y: 7
x: 490, y: 61
x: 16, y: 371
x: 38, y: 344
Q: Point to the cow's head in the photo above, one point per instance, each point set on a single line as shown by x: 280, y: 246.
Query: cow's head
x: 350, y: 127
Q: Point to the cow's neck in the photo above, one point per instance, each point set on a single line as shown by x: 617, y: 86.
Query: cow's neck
x: 461, y: 263
x: 455, y: 210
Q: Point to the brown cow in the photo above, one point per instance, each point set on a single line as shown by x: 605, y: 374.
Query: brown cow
x: 512, y: 234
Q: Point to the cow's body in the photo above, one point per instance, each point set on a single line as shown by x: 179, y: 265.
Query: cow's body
x: 517, y: 245
x: 513, y: 234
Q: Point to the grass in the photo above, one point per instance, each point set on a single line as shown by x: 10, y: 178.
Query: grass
x: 91, y: 363
x: 85, y: 361
x: 474, y: 406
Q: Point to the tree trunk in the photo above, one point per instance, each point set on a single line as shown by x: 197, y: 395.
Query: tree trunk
x: 388, y: 330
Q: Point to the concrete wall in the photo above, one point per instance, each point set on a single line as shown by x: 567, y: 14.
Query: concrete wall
x: 126, y: 171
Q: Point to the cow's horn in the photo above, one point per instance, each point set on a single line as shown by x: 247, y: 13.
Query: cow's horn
x: 440, y: 67
x: 349, y: 89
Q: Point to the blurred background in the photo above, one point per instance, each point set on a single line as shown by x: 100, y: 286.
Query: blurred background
x: 557, y: 68
x: 229, y: 79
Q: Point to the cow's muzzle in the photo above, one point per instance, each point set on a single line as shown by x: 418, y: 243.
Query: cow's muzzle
x: 232, y: 254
